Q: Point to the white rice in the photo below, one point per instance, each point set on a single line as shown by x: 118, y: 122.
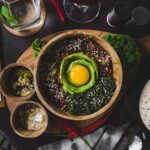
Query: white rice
x: 144, y: 105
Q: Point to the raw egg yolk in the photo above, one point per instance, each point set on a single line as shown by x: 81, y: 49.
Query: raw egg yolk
x: 79, y: 75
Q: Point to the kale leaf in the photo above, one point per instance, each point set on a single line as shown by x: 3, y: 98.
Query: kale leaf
x: 10, y: 20
x: 93, y: 99
x: 36, y: 46
x: 126, y: 48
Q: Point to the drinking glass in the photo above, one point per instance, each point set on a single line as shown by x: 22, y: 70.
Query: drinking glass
x: 20, y: 14
x: 140, y: 17
x: 82, y: 11
x: 120, y: 14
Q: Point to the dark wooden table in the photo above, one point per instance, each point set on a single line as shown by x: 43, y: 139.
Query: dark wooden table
x: 12, y: 47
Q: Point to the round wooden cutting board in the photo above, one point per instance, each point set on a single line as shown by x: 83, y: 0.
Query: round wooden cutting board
x: 28, y: 59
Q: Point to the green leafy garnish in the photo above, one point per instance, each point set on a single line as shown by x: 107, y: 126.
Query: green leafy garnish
x: 126, y: 48
x: 36, y: 46
x: 10, y: 20
x: 93, y: 99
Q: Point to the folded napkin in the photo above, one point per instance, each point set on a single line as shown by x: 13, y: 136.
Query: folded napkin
x: 105, y: 138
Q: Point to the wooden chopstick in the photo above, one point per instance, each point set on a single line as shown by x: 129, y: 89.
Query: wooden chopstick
x: 2, y: 102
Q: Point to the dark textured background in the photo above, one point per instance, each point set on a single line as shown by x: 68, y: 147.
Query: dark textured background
x: 11, y: 47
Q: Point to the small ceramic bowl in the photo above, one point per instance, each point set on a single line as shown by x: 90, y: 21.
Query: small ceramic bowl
x: 19, y: 116
x: 5, y: 75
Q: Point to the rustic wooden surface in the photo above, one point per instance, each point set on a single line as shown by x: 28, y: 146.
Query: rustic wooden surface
x: 2, y: 103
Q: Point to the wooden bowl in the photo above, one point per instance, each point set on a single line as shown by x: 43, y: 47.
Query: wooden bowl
x: 117, y: 68
x: 15, y: 122
x: 5, y: 75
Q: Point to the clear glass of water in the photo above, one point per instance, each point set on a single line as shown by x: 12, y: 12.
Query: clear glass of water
x: 82, y: 11
x: 20, y: 14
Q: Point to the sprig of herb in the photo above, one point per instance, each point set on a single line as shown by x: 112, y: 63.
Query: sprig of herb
x: 10, y: 20
x: 36, y: 46
x: 126, y: 48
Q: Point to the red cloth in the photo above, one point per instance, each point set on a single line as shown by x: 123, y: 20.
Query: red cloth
x: 73, y: 131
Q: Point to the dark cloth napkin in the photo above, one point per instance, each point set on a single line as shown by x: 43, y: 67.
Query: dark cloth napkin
x: 5, y: 142
x: 123, y: 137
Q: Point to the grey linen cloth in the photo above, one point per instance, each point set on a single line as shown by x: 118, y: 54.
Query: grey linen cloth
x: 5, y: 142
x: 105, y: 138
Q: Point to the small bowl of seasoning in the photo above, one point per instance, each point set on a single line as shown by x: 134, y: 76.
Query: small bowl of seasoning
x: 16, y: 82
x: 29, y: 119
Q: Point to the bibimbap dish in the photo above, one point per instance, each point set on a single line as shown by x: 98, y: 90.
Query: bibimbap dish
x: 78, y: 76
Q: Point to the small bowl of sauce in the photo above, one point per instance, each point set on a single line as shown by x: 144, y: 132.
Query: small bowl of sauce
x: 16, y: 82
